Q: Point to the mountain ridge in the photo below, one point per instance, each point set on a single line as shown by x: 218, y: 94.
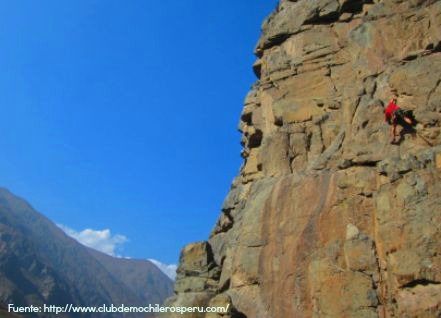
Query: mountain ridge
x: 40, y: 264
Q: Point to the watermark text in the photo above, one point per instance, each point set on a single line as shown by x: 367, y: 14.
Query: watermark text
x: 70, y: 308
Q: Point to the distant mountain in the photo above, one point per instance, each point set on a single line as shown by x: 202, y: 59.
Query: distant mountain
x: 4, y: 312
x: 40, y: 264
x: 167, y: 269
x: 136, y: 275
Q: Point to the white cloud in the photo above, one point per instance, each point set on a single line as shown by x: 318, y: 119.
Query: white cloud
x: 101, y: 240
x: 104, y: 241
x: 169, y: 270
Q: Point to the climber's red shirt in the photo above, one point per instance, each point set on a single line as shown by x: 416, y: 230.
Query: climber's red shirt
x: 391, y: 107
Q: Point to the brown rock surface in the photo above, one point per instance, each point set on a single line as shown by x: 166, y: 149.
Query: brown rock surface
x: 327, y: 218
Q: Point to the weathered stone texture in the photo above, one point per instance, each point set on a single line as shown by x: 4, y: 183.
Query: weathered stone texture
x: 327, y: 218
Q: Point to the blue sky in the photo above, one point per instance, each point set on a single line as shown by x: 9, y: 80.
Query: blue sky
x: 122, y: 115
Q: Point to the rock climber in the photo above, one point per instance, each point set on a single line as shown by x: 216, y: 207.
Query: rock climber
x: 392, y: 115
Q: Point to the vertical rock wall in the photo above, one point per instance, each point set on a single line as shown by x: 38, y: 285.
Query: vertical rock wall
x: 327, y: 218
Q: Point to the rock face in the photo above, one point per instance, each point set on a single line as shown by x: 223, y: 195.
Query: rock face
x: 327, y: 218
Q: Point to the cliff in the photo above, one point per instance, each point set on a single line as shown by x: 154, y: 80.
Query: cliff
x: 327, y: 218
